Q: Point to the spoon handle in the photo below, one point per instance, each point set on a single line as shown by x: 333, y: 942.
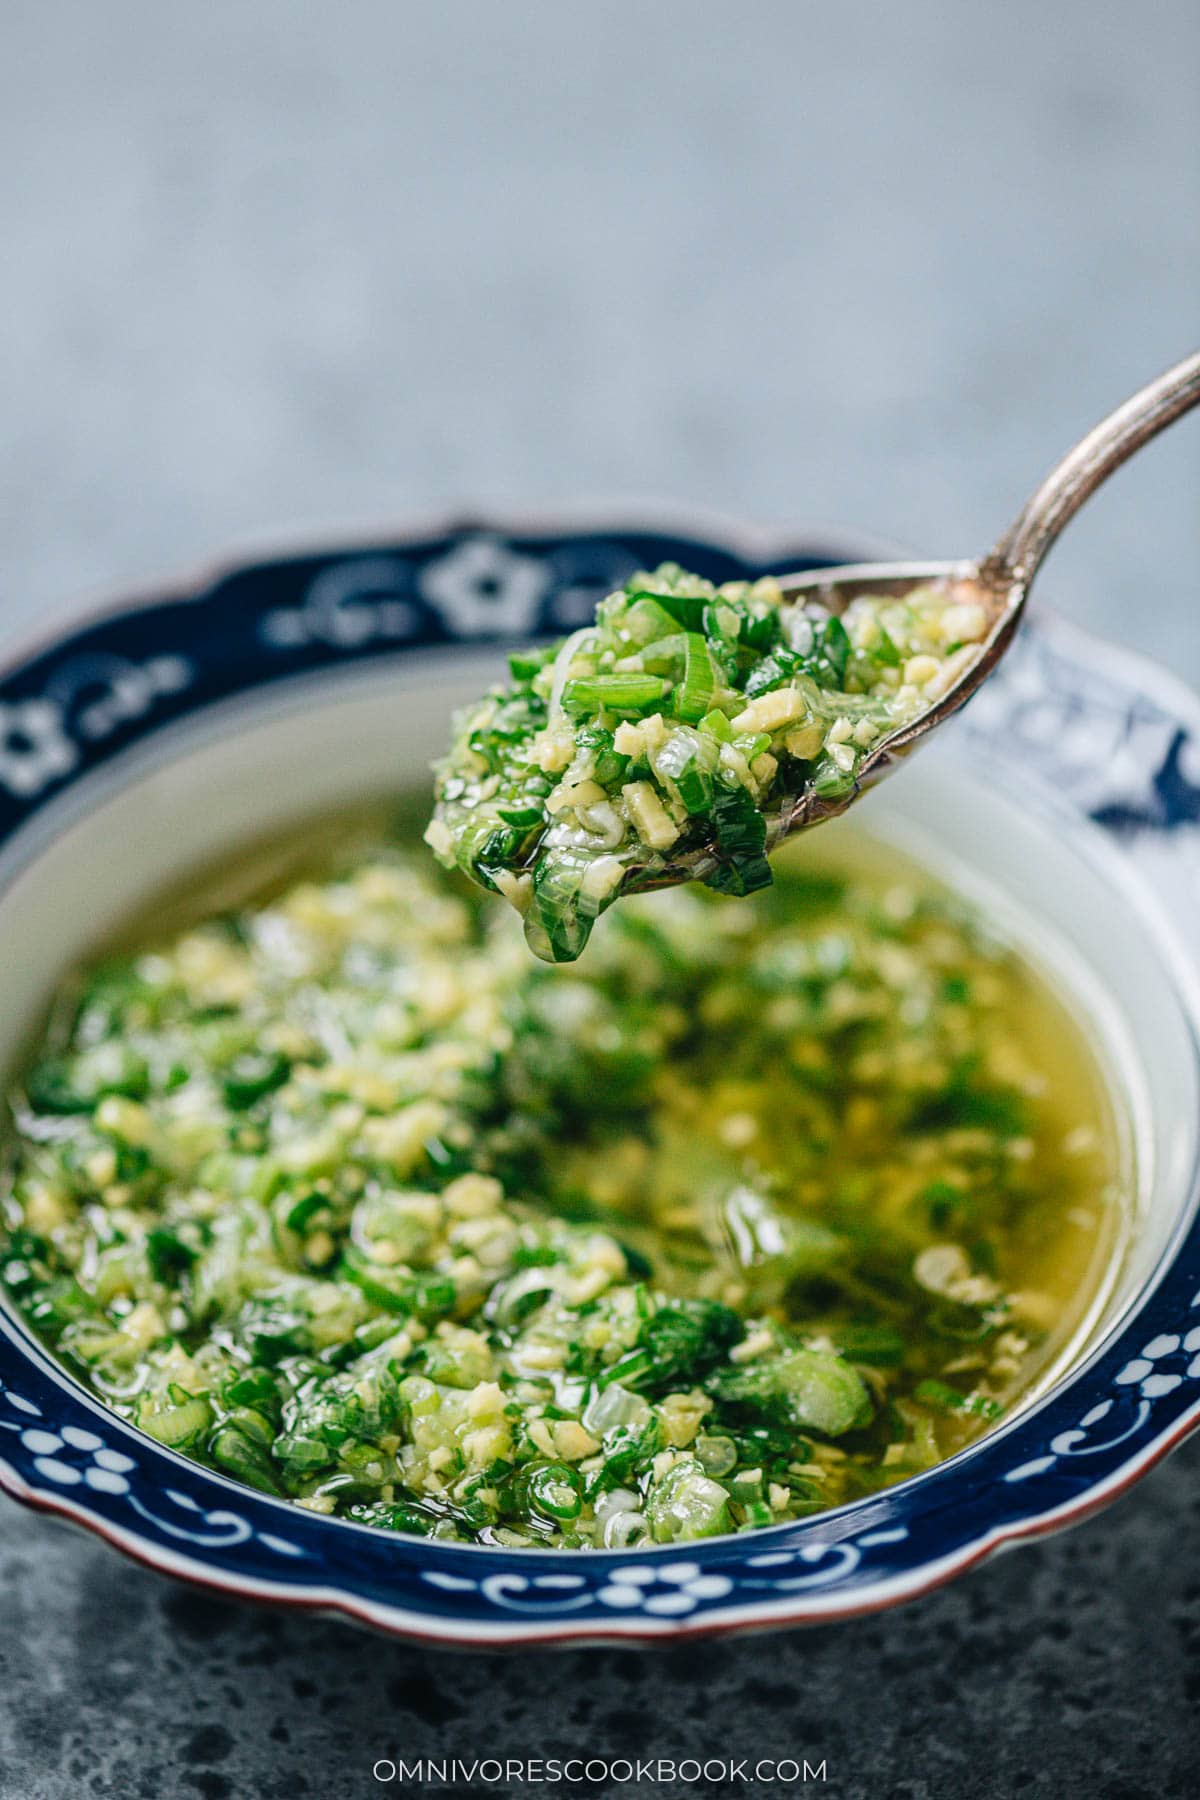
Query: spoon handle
x: 1017, y: 555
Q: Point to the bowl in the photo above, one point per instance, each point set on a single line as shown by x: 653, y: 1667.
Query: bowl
x: 172, y: 728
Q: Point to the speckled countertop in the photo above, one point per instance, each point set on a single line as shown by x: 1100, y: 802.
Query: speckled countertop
x: 1072, y: 1668
x: 275, y: 265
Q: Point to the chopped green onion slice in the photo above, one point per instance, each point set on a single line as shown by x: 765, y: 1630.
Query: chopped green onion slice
x: 558, y: 1490
x: 635, y: 694
x: 691, y: 698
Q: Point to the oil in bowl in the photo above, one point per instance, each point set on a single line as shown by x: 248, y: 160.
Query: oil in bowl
x: 319, y: 1180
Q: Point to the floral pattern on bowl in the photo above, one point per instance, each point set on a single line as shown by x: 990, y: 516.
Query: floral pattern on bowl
x: 1118, y: 742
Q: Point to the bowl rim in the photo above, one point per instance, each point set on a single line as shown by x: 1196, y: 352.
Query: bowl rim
x: 754, y: 545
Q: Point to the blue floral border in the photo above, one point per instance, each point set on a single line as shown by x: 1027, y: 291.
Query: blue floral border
x: 1121, y: 746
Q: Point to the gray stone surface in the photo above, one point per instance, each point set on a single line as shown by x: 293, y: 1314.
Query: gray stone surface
x: 271, y: 265
x: 1069, y: 1669
x: 873, y: 265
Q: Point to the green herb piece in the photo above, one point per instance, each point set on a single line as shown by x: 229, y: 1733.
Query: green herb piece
x: 808, y: 1389
x: 632, y: 694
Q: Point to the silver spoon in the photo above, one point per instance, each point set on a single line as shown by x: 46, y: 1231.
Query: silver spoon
x: 1000, y: 582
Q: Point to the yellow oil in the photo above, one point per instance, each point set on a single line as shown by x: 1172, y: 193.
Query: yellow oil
x: 1061, y: 1259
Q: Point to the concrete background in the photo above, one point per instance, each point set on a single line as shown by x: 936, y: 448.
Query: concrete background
x: 266, y: 265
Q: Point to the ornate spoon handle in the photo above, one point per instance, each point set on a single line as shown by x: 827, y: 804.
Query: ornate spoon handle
x: 1016, y: 557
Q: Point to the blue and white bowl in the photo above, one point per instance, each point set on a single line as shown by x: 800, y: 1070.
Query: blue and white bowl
x: 178, y: 726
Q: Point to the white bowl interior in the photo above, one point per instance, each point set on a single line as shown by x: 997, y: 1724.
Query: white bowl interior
x: 252, y: 769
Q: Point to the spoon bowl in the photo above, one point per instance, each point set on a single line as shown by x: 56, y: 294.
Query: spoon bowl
x: 1000, y: 582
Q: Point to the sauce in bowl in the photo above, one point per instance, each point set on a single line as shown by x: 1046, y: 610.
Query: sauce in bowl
x: 762, y: 1208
